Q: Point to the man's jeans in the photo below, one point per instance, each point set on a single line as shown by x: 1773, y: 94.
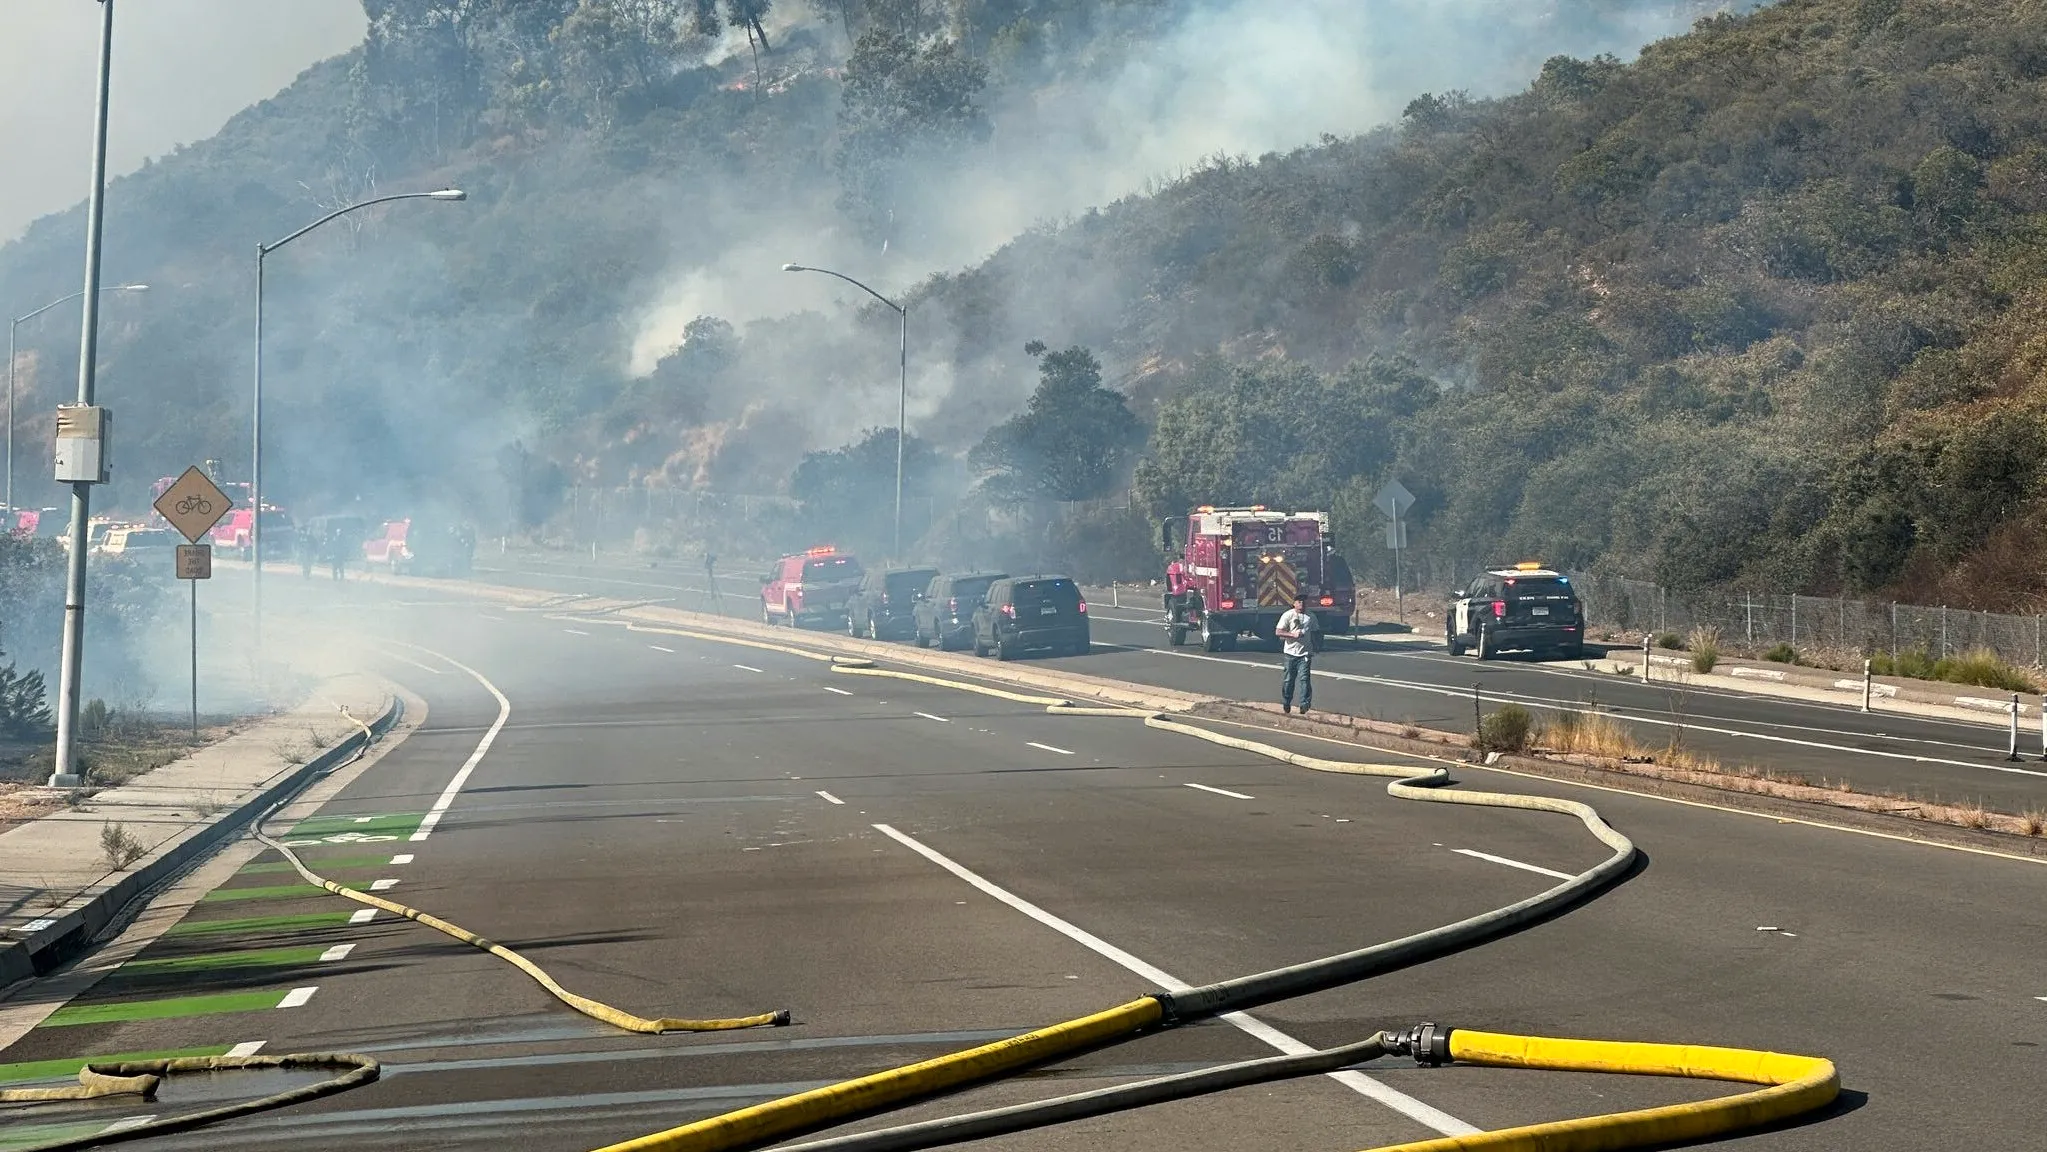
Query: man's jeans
x: 1298, y: 679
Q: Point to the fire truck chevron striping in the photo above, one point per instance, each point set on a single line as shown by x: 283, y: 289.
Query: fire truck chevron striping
x: 1243, y: 568
x: 1276, y: 582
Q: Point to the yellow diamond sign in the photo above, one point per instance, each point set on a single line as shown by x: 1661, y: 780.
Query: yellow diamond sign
x: 193, y: 505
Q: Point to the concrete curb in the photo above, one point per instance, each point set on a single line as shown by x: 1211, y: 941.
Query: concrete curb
x: 74, y: 930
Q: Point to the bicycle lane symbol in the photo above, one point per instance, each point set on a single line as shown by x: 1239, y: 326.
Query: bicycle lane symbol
x: 339, y: 838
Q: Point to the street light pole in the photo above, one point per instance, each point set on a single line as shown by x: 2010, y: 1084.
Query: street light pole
x: 902, y: 385
x: 65, y: 772
x: 12, y: 326
x: 256, y: 402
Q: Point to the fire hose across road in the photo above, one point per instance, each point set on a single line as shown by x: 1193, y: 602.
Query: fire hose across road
x: 1788, y: 1085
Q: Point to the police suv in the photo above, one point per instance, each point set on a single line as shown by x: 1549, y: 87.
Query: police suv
x: 1527, y: 607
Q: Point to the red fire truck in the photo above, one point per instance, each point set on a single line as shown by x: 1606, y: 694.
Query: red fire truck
x: 1242, y: 568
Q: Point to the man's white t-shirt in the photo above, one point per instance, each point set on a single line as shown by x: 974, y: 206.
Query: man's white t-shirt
x: 1296, y: 620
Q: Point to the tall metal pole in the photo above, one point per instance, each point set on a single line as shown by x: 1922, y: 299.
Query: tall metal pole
x: 902, y: 415
x: 12, y: 327
x: 256, y: 479
x: 66, y: 773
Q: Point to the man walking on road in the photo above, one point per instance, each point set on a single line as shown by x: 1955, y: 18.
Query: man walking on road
x: 1298, y: 629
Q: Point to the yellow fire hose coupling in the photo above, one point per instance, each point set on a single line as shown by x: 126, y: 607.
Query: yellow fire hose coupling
x: 1792, y: 1086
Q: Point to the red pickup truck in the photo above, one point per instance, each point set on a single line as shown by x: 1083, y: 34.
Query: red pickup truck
x: 810, y: 587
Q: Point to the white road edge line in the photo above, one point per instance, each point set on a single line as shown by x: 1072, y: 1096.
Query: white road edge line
x: 829, y: 798
x: 246, y: 1048
x: 414, y: 663
x: 454, y: 788
x: 1535, y: 868
x: 1233, y: 795
x: 575, y: 631
x: 338, y: 952
x: 940, y: 719
x: 127, y: 1122
x: 1358, y: 1082
x: 837, y: 691
x: 297, y: 997
x: 746, y: 668
x: 659, y: 648
x: 1048, y: 747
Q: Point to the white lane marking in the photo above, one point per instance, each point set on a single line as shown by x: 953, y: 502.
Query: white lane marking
x: 1536, y: 868
x: 746, y: 667
x: 829, y: 798
x: 127, y: 1122
x: 1232, y: 795
x: 364, y: 819
x: 940, y: 719
x: 402, y: 858
x: 575, y: 631
x: 297, y: 997
x: 246, y: 1048
x: 414, y: 663
x: 1048, y: 748
x: 448, y: 794
x: 659, y: 648
x: 1629, y: 715
x: 1364, y: 1085
x: 338, y: 952
x: 363, y: 916
x: 383, y: 885
x: 837, y: 691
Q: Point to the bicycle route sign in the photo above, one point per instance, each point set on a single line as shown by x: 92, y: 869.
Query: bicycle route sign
x: 193, y: 505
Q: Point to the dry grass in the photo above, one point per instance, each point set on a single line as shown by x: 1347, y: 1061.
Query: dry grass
x: 2034, y: 822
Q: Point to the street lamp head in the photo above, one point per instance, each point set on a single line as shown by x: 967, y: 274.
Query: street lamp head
x: 448, y: 194
x: 794, y: 268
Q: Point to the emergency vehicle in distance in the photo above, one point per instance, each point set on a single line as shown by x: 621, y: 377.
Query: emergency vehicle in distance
x: 810, y: 588
x: 423, y: 546
x: 1241, y: 569
x: 1526, y: 606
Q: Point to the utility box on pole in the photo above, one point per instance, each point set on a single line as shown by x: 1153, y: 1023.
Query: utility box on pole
x: 82, y: 431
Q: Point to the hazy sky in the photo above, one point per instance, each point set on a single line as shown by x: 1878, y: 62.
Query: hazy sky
x: 181, y: 68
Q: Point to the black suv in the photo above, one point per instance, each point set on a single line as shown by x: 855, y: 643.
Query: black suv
x: 882, y: 608
x: 1526, y: 606
x: 1026, y: 613
x: 945, y: 616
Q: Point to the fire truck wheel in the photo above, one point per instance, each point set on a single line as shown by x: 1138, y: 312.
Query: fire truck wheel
x: 1177, y: 634
x: 1215, y: 640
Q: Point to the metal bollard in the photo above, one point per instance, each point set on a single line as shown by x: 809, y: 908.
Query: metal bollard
x: 1115, y: 594
x: 2014, y: 755
x: 1865, y: 685
x: 1645, y: 657
x: 2043, y: 727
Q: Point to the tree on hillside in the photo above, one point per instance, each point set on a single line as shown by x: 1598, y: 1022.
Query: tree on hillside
x: 612, y: 50
x: 905, y: 106
x: 848, y: 493
x: 1072, y: 441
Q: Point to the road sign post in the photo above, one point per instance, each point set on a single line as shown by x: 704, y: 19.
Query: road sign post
x: 193, y: 505
x: 1394, y: 500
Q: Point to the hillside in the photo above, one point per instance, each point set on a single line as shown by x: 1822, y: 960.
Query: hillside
x: 1760, y: 308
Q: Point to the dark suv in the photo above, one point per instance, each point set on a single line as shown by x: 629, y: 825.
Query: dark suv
x: 1031, y: 613
x: 882, y: 608
x: 945, y: 616
x: 1526, y: 606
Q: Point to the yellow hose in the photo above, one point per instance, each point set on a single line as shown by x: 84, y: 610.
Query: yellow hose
x: 1795, y: 1084
x: 615, y: 1017
x: 777, y: 1119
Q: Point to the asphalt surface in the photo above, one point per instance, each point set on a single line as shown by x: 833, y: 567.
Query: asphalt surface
x: 690, y: 828
x: 1420, y: 682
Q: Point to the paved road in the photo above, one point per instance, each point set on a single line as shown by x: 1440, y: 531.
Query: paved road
x: 691, y: 828
x: 1914, y: 756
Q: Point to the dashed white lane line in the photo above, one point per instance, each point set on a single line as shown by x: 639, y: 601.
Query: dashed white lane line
x: 659, y: 648
x: 575, y: 631
x: 940, y: 719
x: 837, y: 691
x: 297, y: 997
x: 384, y: 885
x: 1226, y: 792
x: 414, y: 663
x: 402, y: 858
x: 1357, y: 1082
x: 454, y: 788
x: 246, y: 1048
x: 829, y: 798
x: 1535, y: 868
x: 746, y: 668
x: 1048, y: 748
x: 363, y: 916
x: 338, y: 952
